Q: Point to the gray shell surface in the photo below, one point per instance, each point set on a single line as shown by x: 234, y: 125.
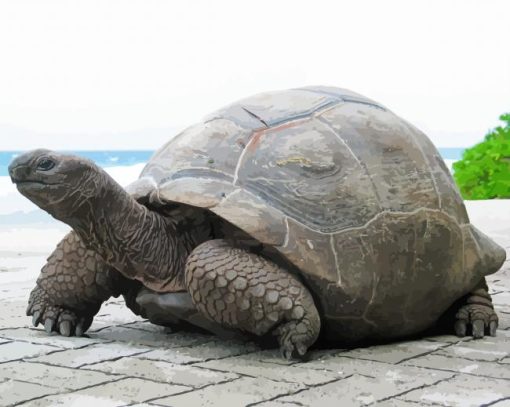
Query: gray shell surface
x: 359, y: 200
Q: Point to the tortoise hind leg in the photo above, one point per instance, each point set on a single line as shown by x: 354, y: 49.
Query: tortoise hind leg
x: 475, y: 310
x: 242, y: 290
x: 474, y: 313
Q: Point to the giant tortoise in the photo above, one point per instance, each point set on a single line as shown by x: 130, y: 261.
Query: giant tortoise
x: 296, y: 214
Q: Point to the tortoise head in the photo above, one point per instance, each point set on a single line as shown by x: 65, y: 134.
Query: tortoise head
x: 57, y: 183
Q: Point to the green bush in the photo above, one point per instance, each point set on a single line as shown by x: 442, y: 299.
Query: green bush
x: 484, y: 170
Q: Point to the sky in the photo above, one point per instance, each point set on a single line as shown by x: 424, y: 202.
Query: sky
x: 130, y: 74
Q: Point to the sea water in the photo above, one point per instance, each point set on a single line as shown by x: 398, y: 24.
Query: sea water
x: 104, y: 159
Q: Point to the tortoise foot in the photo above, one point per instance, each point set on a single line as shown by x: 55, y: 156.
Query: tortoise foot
x: 481, y: 318
x: 293, y: 338
x: 56, y: 318
x: 477, y: 314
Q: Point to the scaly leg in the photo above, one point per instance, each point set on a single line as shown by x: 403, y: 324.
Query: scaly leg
x: 72, y: 286
x: 240, y: 289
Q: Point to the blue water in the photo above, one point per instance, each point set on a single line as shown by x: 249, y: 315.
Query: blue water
x: 108, y: 158
x: 451, y: 153
x: 122, y: 158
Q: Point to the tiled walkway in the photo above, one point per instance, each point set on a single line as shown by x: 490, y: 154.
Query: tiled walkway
x: 126, y: 361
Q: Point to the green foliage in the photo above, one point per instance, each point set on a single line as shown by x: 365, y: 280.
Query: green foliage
x: 484, y: 170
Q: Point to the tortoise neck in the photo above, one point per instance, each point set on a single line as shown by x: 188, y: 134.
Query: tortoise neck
x: 139, y: 243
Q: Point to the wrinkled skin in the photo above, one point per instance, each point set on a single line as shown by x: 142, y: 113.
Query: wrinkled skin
x: 139, y: 243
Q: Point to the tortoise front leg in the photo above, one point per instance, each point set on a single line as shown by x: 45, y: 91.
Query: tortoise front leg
x: 240, y: 289
x: 475, y: 310
x: 72, y: 285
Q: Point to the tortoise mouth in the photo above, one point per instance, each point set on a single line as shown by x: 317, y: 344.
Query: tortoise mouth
x: 29, y: 183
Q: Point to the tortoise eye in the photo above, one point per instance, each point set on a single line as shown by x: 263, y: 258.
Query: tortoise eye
x: 45, y: 164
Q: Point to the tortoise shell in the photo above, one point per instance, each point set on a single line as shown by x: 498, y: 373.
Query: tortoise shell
x: 356, y: 198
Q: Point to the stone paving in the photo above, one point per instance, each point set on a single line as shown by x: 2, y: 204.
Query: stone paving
x: 127, y: 361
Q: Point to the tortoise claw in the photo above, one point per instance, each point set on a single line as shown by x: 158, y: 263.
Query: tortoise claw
x: 82, y: 325
x: 480, y: 318
x: 292, y: 343
x: 48, y: 325
x: 460, y: 328
x: 287, y: 354
x: 493, y: 326
x: 478, y: 329
x: 28, y: 312
x: 79, y: 329
x: 36, y: 318
x: 65, y: 328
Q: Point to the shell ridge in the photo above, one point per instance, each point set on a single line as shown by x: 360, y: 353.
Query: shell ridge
x: 335, y: 255
x: 198, y: 172
x: 343, y: 98
x: 241, y: 157
x: 306, y: 114
x: 321, y: 92
x: 375, y: 282
x: 350, y: 99
x: 255, y: 116
x: 233, y: 120
x: 287, y: 231
x: 374, y: 218
x: 404, y: 307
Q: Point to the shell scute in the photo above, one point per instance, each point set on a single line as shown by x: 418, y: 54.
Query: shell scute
x: 303, y: 170
x: 396, y: 165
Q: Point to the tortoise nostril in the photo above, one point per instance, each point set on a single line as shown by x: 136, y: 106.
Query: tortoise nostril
x: 18, y: 172
x: 16, y: 166
x: 13, y: 169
